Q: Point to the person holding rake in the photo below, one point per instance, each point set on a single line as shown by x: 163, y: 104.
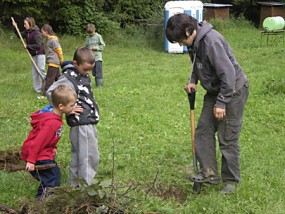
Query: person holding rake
x: 227, y: 90
x: 35, y: 46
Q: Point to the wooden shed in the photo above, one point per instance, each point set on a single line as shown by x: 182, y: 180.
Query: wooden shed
x: 269, y: 9
x: 213, y: 11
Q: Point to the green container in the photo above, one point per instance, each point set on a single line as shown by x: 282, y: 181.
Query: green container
x: 273, y: 23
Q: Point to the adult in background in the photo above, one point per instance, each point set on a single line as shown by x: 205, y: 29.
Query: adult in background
x: 227, y: 89
x: 96, y: 43
x: 54, y: 56
x: 35, y: 46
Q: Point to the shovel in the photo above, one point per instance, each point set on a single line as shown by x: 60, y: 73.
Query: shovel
x: 13, y: 167
x: 191, y: 99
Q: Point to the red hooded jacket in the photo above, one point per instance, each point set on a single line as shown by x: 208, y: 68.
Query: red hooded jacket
x: 43, y: 138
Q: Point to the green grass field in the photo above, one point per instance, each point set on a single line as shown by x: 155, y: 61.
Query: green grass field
x: 145, y: 116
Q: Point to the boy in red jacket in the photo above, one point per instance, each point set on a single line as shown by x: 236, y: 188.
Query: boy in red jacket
x: 40, y: 146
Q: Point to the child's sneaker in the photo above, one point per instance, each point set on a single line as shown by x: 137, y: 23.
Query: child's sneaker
x: 41, y: 97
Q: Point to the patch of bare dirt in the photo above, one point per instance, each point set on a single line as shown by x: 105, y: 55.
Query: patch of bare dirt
x: 10, y: 160
x: 166, y: 193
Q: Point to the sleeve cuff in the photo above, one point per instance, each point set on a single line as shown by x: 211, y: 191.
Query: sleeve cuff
x: 220, y: 104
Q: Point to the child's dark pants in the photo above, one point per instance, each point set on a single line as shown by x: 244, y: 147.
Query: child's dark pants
x: 97, y: 70
x: 48, y: 177
x: 52, y: 75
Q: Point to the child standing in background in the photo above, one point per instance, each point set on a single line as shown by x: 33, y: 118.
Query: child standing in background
x: 96, y: 43
x: 54, y: 56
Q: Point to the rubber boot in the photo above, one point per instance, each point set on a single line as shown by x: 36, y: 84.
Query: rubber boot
x: 99, y: 82
x: 229, y: 188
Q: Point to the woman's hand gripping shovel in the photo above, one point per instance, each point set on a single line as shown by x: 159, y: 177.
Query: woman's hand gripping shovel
x: 191, y: 98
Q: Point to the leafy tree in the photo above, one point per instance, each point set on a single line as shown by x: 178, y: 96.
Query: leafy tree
x: 71, y: 16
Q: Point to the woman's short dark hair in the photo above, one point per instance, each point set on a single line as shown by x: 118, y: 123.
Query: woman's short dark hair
x: 177, y: 25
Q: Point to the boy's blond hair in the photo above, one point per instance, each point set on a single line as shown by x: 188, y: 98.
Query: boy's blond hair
x: 91, y: 28
x: 62, y: 94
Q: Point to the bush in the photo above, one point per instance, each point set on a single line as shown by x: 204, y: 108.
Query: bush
x: 71, y: 16
x: 225, y: 24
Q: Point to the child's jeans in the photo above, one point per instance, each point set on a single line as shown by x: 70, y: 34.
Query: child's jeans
x: 47, y: 178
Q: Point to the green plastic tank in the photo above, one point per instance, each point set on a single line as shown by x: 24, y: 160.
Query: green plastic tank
x: 273, y: 23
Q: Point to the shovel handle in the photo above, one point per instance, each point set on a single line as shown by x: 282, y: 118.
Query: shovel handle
x: 191, y: 98
x: 14, y: 168
x: 20, y: 35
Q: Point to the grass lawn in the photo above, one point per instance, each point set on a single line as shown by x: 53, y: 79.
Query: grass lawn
x: 145, y: 124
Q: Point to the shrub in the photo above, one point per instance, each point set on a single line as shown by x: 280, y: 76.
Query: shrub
x: 222, y: 24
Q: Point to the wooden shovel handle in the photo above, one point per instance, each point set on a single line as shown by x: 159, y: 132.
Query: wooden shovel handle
x: 14, y: 168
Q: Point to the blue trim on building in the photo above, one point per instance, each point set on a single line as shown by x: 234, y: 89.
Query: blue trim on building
x: 166, y: 17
